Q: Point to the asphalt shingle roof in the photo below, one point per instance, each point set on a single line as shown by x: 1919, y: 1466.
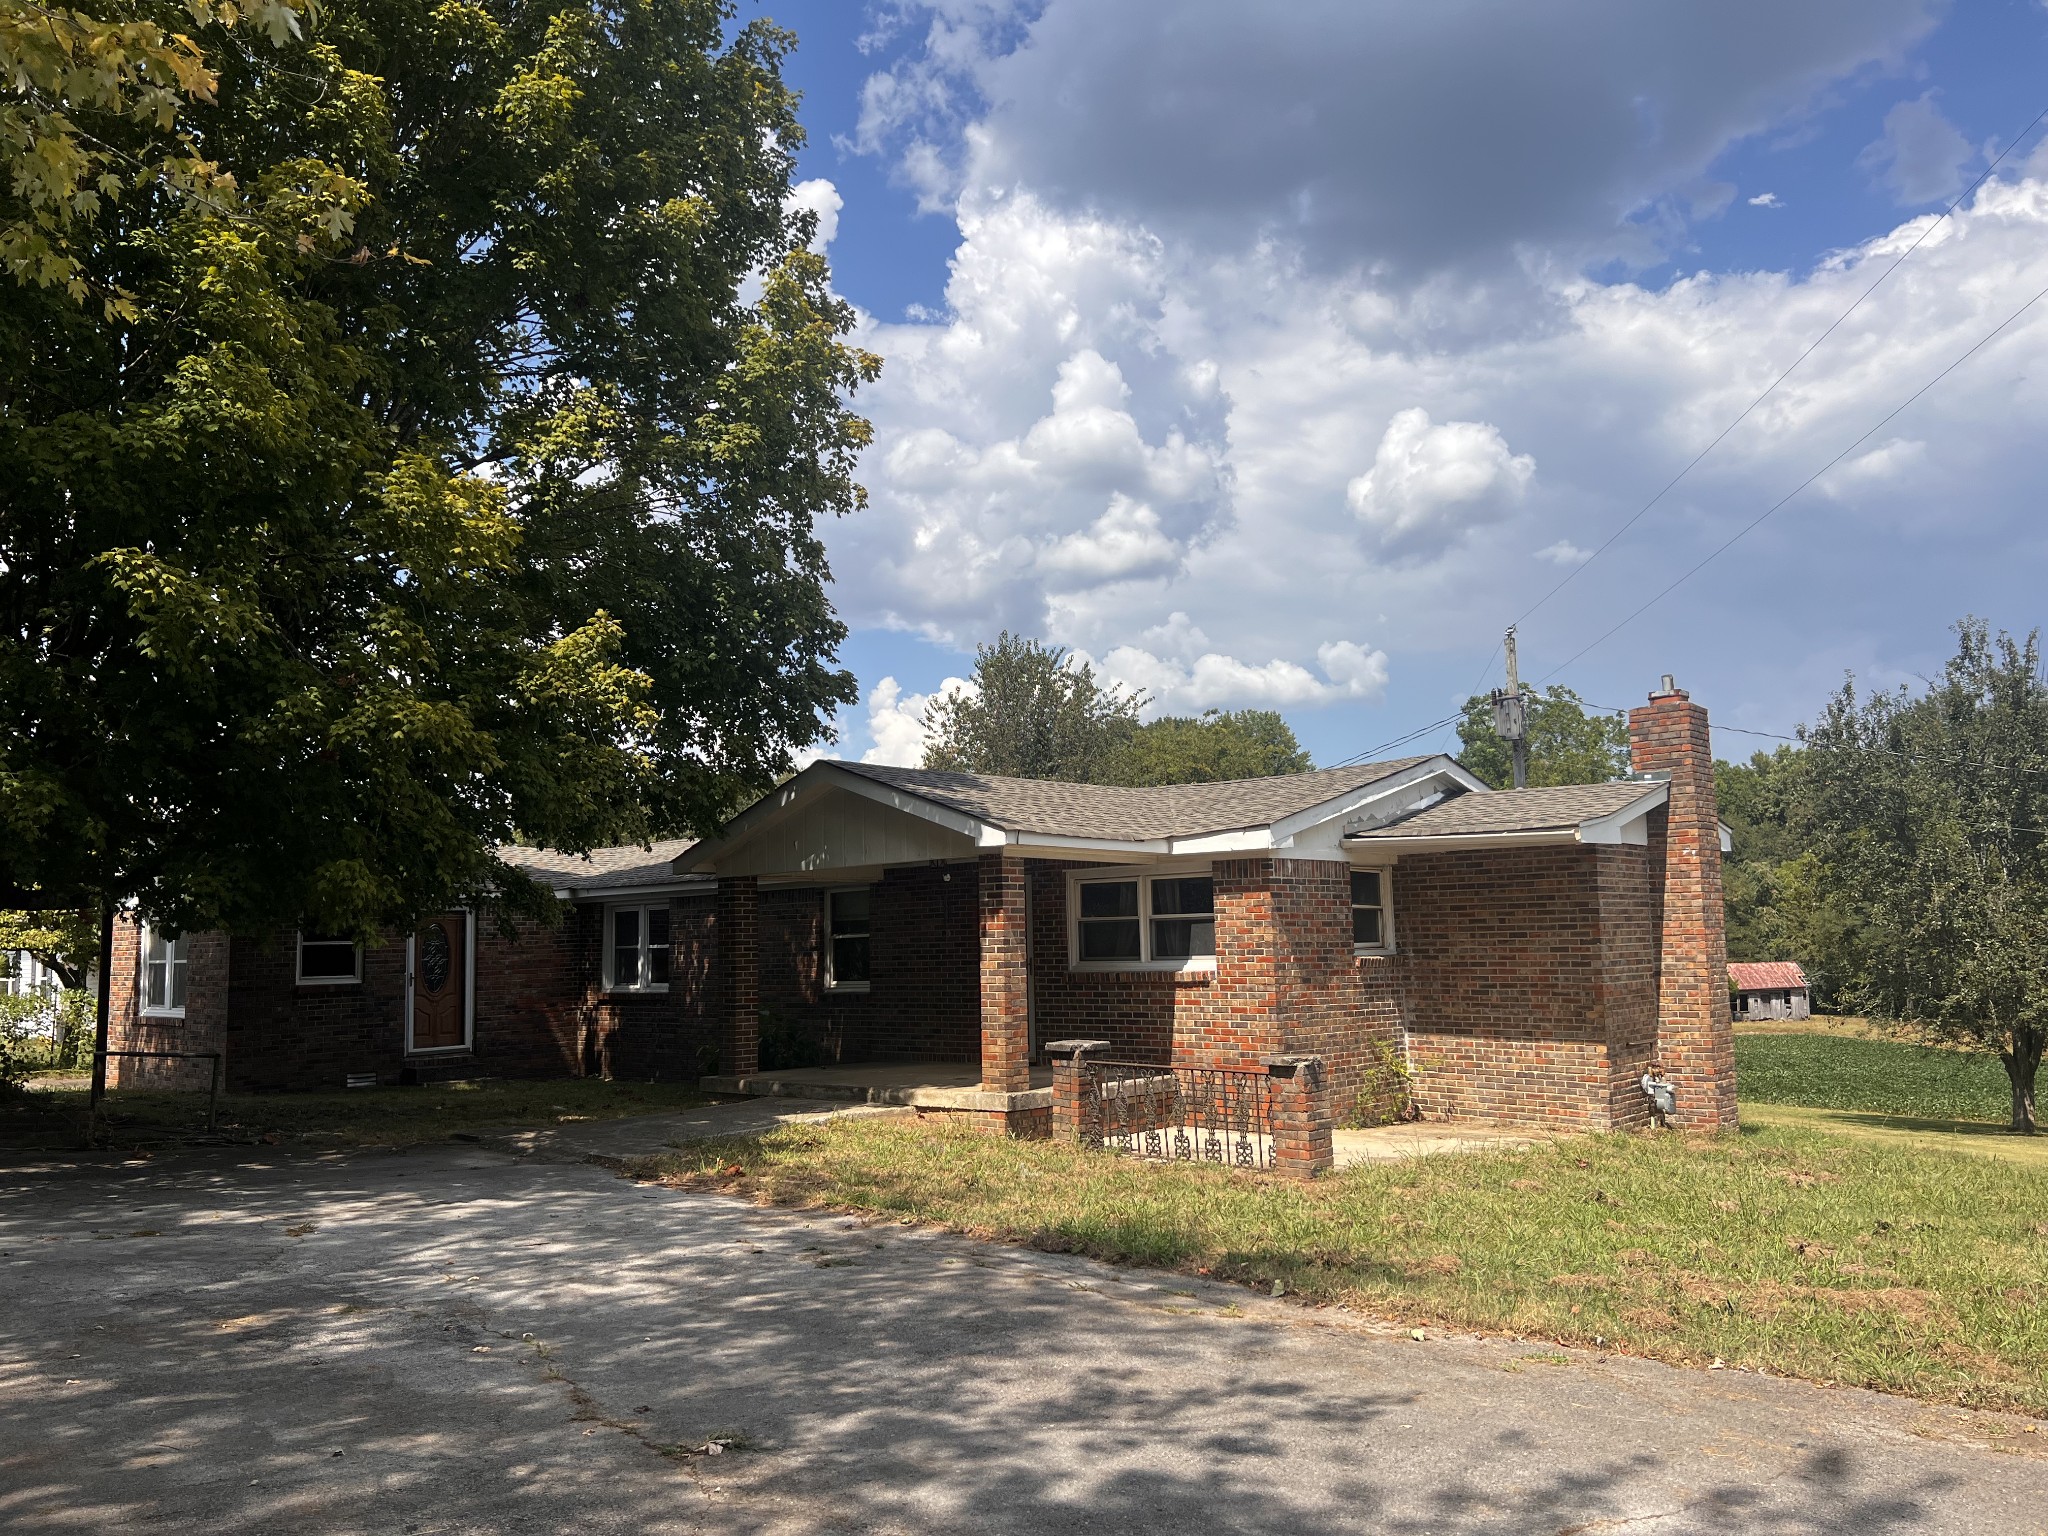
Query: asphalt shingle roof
x: 1766, y: 975
x: 601, y: 868
x: 1516, y: 810
x: 1050, y: 808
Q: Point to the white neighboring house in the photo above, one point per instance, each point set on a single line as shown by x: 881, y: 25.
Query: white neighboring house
x: 23, y: 975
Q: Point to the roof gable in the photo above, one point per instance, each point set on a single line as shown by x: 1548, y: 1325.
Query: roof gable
x: 1120, y: 813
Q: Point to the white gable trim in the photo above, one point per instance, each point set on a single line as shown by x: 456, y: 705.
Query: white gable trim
x: 1382, y: 799
x: 1630, y: 824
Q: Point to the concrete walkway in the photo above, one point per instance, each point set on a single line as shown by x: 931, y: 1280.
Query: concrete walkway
x: 461, y: 1341
x: 616, y: 1142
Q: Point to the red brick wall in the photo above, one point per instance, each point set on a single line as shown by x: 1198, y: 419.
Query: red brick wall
x: 1004, y: 949
x: 1696, y: 1040
x: 1285, y: 978
x: 539, y: 1010
x: 1527, y: 981
x: 924, y: 993
x: 203, y: 1028
x: 1332, y: 1003
x: 1135, y: 1011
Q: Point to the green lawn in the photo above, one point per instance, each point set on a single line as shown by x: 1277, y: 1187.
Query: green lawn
x: 1796, y: 1252
x: 52, y: 1112
x: 1878, y: 1076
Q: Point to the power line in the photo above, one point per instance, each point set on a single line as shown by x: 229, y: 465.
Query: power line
x: 1754, y: 522
x: 1399, y: 741
x: 1771, y: 389
x: 1746, y: 412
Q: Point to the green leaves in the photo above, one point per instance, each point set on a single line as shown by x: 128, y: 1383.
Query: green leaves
x: 1033, y: 714
x: 1930, y: 820
x: 1567, y: 745
x: 442, y: 465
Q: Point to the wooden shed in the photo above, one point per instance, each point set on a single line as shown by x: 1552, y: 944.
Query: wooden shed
x: 1768, y: 989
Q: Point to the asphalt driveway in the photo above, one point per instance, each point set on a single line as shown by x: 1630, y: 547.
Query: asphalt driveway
x: 461, y: 1340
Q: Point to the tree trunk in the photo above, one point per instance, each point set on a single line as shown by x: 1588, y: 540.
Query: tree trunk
x: 2022, y: 1062
x: 101, y: 1022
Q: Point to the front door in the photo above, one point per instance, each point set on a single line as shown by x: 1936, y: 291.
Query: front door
x: 439, y: 983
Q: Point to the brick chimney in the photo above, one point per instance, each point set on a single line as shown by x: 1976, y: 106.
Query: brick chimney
x: 1695, y: 1038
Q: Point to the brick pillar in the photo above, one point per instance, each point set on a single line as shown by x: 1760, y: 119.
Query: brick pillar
x: 1076, y: 1116
x: 738, y: 937
x: 1301, y: 1116
x: 1005, y: 1011
x: 1695, y: 1039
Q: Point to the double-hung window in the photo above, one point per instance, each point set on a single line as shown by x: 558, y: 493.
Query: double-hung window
x: 637, y: 949
x: 163, y: 973
x: 328, y: 960
x: 1371, y: 926
x: 847, y: 938
x: 1167, y: 921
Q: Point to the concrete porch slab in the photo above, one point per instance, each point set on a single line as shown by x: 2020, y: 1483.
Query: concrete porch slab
x: 912, y: 1084
x: 1424, y: 1138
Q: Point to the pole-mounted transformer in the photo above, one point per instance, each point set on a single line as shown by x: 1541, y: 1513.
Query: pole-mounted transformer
x: 1511, y: 716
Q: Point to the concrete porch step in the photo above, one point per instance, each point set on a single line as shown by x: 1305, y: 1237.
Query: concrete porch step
x: 915, y: 1088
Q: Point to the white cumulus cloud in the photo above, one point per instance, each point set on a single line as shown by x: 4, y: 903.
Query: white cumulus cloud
x: 1429, y: 485
x: 896, y: 720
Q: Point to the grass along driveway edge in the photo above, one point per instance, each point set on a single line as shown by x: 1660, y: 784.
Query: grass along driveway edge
x: 1780, y: 1249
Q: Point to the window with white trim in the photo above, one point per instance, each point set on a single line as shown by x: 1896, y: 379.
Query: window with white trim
x: 636, y: 953
x: 1372, y: 929
x: 847, y: 915
x: 329, y: 960
x: 163, y: 973
x: 1162, y: 921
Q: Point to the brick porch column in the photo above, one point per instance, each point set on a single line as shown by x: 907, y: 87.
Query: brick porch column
x: 1075, y: 1115
x: 1301, y: 1116
x: 738, y: 937
x: 1005, y: 1013
x: 1695, y: 1038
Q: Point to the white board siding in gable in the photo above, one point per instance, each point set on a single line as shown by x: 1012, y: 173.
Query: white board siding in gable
x: 837, y: 830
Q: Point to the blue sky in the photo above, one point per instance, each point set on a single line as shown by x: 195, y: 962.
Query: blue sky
x: 1281, y: 357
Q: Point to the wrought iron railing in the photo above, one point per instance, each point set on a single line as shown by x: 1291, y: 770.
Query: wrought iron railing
x: 1184, y: 1114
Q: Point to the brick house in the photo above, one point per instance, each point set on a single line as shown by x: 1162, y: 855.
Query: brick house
x: 459, y: 996
x: 1530, y: 952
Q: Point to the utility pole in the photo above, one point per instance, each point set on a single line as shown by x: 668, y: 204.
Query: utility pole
x: 1511, y: 715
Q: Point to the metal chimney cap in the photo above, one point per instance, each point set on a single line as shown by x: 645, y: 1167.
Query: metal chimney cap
x: 1668, y: 688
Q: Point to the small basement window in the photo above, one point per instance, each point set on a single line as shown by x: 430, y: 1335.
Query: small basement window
x: 1167, y: 922
x: 163, y: 973
x: 637, y: 953
x: 1371, y: 926
x: 327, y: 960
x: 847, y: 938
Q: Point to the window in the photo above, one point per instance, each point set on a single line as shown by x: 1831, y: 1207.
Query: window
x: 328, y: 960
x: 163, y: 973
x: 1168, y: 921
x: 637, y: 954
x: 846, y: 939
x: 1370, y: 928
x: 1183, y: 918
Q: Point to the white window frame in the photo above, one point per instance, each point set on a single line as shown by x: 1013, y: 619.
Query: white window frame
x: 166, y: 1010
x: 832, y: 982
x: 1386, y: 874
x: 300, y: 978
x: 1144, y: 874
x: 638, y: 987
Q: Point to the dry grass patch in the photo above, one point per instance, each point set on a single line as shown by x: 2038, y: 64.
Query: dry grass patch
x: 1778, y: 1249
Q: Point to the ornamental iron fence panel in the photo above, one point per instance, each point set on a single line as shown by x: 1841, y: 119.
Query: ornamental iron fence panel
x: 1182, y: 1114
